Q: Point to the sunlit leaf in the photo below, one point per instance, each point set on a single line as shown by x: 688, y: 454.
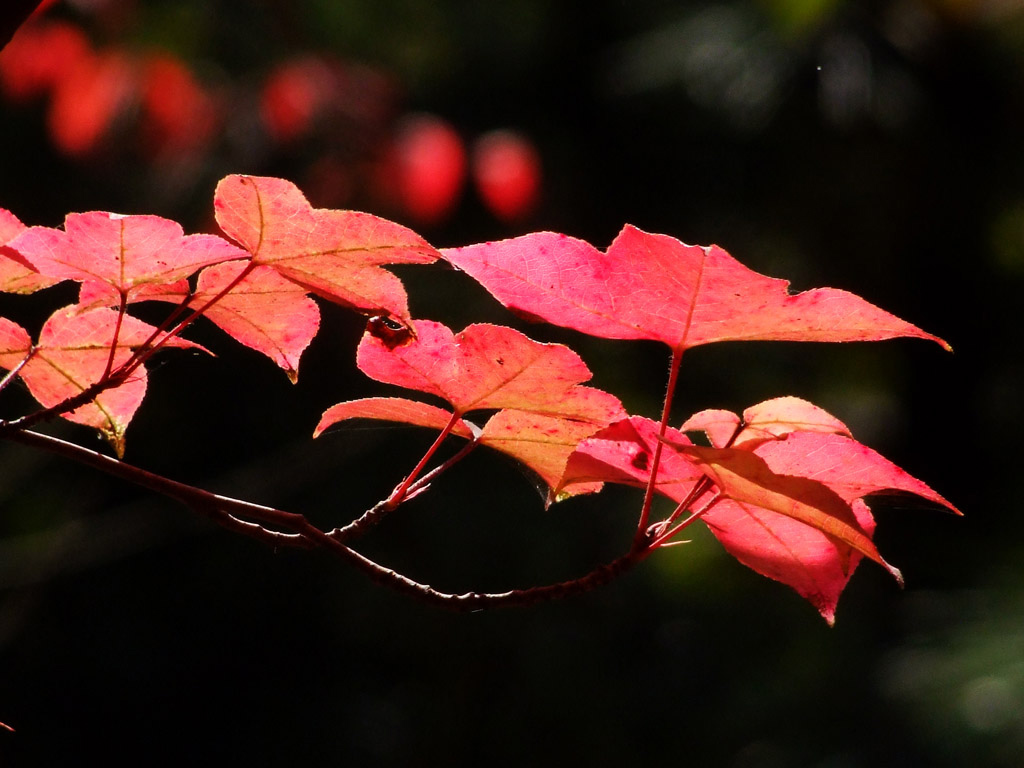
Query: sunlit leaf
x: 648, y: 286
x: 335, y: 254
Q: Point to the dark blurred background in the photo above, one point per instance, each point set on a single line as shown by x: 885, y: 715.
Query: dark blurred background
x: 873, y: 146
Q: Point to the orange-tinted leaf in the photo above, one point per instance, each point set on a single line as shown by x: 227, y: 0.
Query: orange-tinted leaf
x: 392, y: 409
x: 746, y: 479
x: 484, y: 366
x: 784, y: 415
x: 799, y: 552
x: 264, y: 312
x: 15, y: 343
x: 124, y: 252
x: 72, y: 355
x: 655, y: 287
x: 541, y: 442
x: 849, y: 468
x: 719, y: 426
x: 545, y: 411
x: 769, y: 420
x: 94, y: 294
x: 15, y: 276
x: 335, y: 254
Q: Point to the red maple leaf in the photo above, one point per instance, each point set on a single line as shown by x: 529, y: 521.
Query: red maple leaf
x: 74, y: 353
x: 335, y: 254
x: 128, y: 253
x: 544, y: 410
x: 786, y: 488
x: 15, y: 275
x: 648, y: 286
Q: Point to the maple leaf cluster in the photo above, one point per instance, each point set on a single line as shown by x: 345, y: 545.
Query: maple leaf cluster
x: 781, y: 486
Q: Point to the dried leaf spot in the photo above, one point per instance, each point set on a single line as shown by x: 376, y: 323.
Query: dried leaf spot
x: 388, y: 331
x: 640, y: 460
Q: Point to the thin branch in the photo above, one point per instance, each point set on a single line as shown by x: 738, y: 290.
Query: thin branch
x: 378, y: 511
x: 229, y: 513
x: 118, y: 376
x: 208, y: 504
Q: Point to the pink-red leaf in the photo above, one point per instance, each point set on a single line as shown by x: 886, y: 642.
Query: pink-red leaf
x: 623, y: 453
x: 650, y: 286
x: 125, y: 252
x: 392, y: 409
x: 72, y: 355
x: 799, y: 552
x: 721, y: 427
x: 94, y: 294
x: 484, y: 366
x: 746, y: 479
x: 544, y: 414
x: 850, y: 469
x: 335, y: 254
x: 784, y: 549
x: 15, y: 275
x: 264, y: 312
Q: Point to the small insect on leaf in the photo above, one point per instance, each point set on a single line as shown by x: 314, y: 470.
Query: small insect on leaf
x: 389, y: 331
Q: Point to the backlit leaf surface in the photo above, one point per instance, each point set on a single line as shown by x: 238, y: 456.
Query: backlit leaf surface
x: 623, y: 453
x: 543, y: 413
x: 803, y: 549
x: 392, y: 409
x: 541, y: 442
x: 648, y: 286
x: 263, y: 311
x: 335, y: 254
x: 765, y: 421
x: 484, y: 366
x: 125, y: 252
x: 71, y: 355
x: 15, y: 275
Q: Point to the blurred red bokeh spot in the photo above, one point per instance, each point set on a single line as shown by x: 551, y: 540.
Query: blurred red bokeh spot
x: 39, y: 57
x: 89, y: 99
x: 293, y: 95
x: 429, y: 167
x: 178, y: 115
x: 507, y: 173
